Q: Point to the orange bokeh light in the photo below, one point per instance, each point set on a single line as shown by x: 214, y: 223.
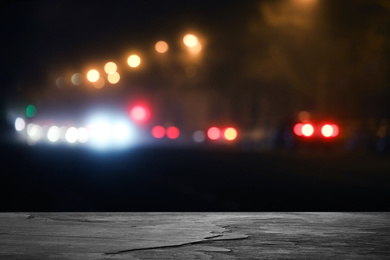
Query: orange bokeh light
x: 230, y: 134
x: 161, y: 47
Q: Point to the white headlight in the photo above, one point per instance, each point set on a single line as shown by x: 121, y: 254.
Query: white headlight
x: 72, y: 134
x: 53, y: 134
x: 121, y: 131
x: 19, y: 124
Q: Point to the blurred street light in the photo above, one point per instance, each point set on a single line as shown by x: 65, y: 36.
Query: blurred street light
x: 161, y: 47
x: 110, y: 67
x: 134, y: 61
x: 113, y: 78
x: 93, y: 75
x: 190, y: 40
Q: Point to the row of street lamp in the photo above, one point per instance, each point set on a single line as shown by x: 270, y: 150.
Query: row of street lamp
x: 190, y: 41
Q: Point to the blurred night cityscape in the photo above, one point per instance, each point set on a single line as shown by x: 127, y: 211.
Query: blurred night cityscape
x: 242, y: 81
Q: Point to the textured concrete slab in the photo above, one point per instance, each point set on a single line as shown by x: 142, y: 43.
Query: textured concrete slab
x: 194, y: 235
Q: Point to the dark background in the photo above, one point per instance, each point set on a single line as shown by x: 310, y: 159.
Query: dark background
x: 262, y: 63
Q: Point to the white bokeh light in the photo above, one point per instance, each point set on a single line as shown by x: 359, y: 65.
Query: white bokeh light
x: 20, y: 124
x: 100, y: 131
x: 53, y: 134
x: 121, y: 131
x: 83, y: 135
x: 34, y: 131
x: 72, y: 134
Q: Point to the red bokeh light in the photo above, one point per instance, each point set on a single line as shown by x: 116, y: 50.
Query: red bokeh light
x: 335, y: 130
x: 158, y: 131
x: 173, y: 132
x: 214, y: 133
x: 298, y: 129
x: 330, y: 130
x: 139, y: 113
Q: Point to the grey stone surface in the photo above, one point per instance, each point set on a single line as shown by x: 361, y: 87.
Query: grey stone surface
x: 194, y: 235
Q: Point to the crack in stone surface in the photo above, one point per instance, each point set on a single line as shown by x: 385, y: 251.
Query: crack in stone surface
x: 205, y: 241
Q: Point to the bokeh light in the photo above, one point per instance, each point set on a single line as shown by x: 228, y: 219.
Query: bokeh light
x: 161, y: 47
x: 113, y: 78
x: 190, y: 40
x: 34, y: 131
x: 53, y: 134
x: 298, y: 129
x: 60, y: 82
x: 99, y: 83
x: 110, y: 67
x: 173, y: 132
x: 158, y: 132
x: 214, y: 133
x: 72, y: 134
x: 307, y: 130
x: 121, y: 131
x: 134, y: 61
x: 20, y: 124
x: 196, y: 49
x: 100, y: 131
x: 304, y: 116
x: 336, y: 130
x: 139, y: 113
x: 83, y: 135
x: 31, y: 111
x: 93, y: 75
x: 230, y: 134
x: 76, y: 79
x: 199, y: 136
x: 327, y: 130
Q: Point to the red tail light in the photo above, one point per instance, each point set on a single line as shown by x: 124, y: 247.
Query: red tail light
x: 139, y: 113
x: 173, y: 132
x: 307, y: 130
x: 298, y: 129
x: 330, y: 130
x: 158, y: 131
x: 214, y: 133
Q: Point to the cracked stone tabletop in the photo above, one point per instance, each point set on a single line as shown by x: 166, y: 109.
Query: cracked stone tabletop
x: 194, y: 235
